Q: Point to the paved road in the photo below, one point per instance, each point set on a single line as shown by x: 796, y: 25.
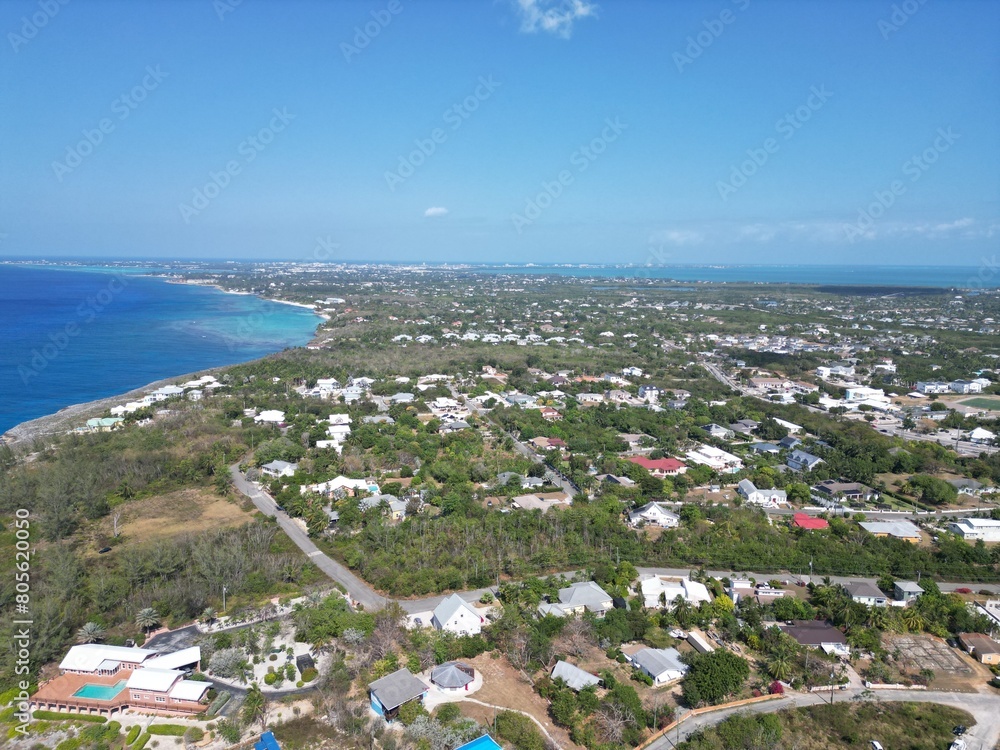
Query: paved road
x: 357, y: 589
x: 983, y: 736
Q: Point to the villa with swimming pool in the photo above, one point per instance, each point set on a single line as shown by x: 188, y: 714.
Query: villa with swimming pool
x: 98, y: 679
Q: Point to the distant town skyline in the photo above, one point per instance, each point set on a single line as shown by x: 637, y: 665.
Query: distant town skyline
x: 521, y: 131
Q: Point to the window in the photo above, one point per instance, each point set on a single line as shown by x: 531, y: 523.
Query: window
x: 161, y: 699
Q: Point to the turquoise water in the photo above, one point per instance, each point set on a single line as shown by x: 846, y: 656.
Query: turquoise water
x: 100, y: 692
x: 67, y: 337
x: 481, y: 743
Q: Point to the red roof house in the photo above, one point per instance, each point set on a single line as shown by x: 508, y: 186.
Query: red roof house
x: 805, y: 521
x: 660, y: 467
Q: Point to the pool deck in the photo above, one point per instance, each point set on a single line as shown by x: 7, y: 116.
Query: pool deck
x: 58, y: 695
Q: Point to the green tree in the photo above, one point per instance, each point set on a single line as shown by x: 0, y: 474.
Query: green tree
x: 91, y: 632
x: 713, y: 677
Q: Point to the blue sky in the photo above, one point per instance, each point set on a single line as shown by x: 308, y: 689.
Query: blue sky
x: 621, y: 131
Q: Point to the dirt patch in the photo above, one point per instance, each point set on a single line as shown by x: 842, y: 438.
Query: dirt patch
x: 177, y: 513
x: 952, y: 669
x: 505, y: 686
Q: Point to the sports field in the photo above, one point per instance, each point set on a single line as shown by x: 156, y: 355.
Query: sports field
x: 983, y: 402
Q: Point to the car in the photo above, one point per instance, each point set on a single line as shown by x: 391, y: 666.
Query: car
x: 102, y: 550
x: 953, y: 642
x: 876, y: 745
x: 959, y: 730
x: 279, y: 507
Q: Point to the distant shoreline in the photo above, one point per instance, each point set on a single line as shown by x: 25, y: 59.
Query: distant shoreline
x: 74, y: 415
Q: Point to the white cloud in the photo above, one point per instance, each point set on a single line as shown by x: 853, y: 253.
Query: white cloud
x: 435, y: 212
x: 553, y: 16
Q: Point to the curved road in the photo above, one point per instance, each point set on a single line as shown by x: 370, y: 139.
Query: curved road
x: 983, y: 736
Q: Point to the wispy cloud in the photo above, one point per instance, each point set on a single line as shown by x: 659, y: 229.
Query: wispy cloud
x: 553, y: 16
x: 817, y: 231
x: 435, y: 212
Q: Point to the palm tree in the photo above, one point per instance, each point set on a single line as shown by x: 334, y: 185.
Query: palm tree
x: 912, y: 620
x: 780, y: 666
x: 255, y: 707
x: 92, y: 632
x: 147, y: 619
x: 209, y: 615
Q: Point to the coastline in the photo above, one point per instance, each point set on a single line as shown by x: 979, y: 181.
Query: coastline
x: 305, y: 305
x: 64, y: 420
x: 71, y: 416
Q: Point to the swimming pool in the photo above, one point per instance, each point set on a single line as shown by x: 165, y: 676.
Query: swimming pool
x: 100, y: 692
x: 481, y: 743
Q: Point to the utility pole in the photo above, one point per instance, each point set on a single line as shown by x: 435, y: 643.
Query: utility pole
x: 223, y: 597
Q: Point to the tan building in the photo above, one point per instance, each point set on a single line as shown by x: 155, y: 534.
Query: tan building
x: 982, y: 647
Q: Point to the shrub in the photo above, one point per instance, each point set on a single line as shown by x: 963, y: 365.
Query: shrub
x: 218, y: 703
x: 170, y: 730
x: 56, y: 716
x: 132, y: 734
x: 270, y: 678
x: 141, y: 742
x: 310, y: 674
x: 230, y: 731
x: 448, y: 712
x: 410, y: 711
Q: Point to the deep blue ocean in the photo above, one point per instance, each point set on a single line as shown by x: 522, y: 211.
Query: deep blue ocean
x: 69, y: 336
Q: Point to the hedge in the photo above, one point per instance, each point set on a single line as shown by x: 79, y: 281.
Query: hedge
x: 141, y: 742
x: 218, y: 703
x: 56, y: 716
x: 170, y: 730
x: 132, y: 734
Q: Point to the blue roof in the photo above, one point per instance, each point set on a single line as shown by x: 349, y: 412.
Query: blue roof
x: 267, y: 742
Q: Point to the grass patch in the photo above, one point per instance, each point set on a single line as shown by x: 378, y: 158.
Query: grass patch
x: 914, y: 726
x: 170, y: 730
x: 298, y: 734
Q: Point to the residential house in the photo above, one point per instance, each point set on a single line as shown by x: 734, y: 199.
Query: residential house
x: 844, y: 491
x: 904, y: 530
x: 662, y: 591
x: 277, y: 469
x: 578, y: 598
x: 455, y: 615
x: 550, y: 414
x: 805, y: 521
x: 817, y: 634
x: 662, y: 665
x: 769, y: 448
x: 932, y: 387
x: 982, y: 436
x: 906, y: 591
x: 965, y: 386
x: 457, y: 425
x: 654, y: 514
x: 789, y: 442
x: 270, y: 416
x: 612, y: 479
x: 716, y: 459
x: 661, y: 468
x: 719, y: 432
x: 125, y: 678
x: 984, y: 648
x: 799, y: 460
x: 974, y: 529
x: 767, y: 498
x: 574, y: 677
x: 392, y: 691
x: 866, y: 593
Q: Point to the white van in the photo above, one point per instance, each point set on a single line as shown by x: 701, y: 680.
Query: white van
x: 876, y: 745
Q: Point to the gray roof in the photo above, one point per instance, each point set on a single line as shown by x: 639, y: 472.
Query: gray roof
x: 910, y: 587
x: 898, y: 529
x: 803, y: 458
x: 395, y: 689
x: 279, y: 465
x: 449, y: 606
x: 586, y: 594
x: 573, y: 676
x: 864, y: 590
x: 452, y: 674
x: 656, y: 661
x: 746, y: 486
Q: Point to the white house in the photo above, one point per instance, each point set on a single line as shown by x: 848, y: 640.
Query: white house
x: 654, y: 514
x: 714, y: 458
x: 973, y: 529
x: 578, y: 598
x: 980, y: 435
x: 801, y: 461
x: 279, y: 469
x: 658, y: 591
x: 271, y: 416
x: 965, y: 386
x: 457, y: 616
x: 767, y: 498
x: 660, y: 664
x: 931, y: 387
